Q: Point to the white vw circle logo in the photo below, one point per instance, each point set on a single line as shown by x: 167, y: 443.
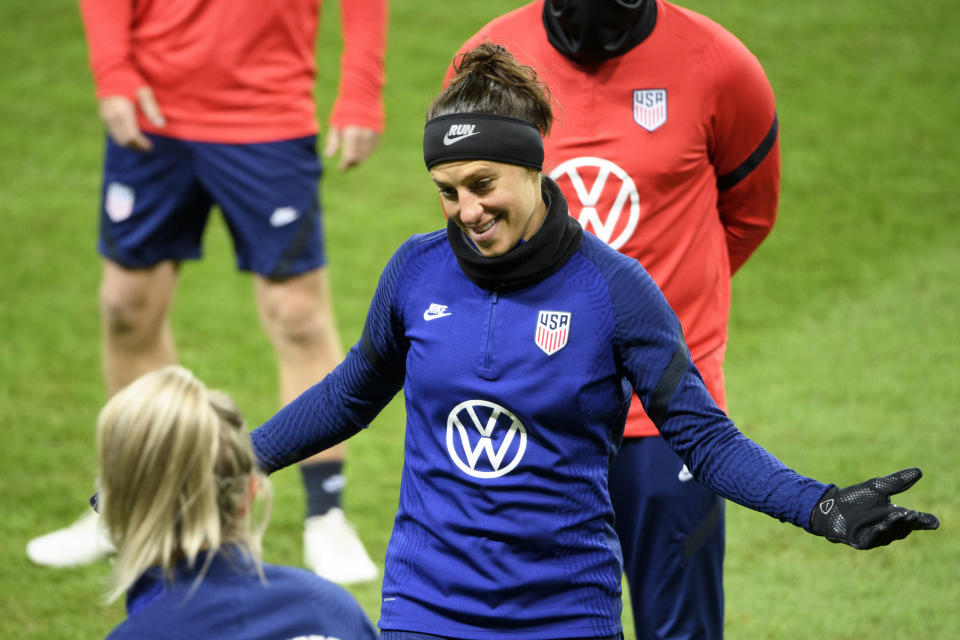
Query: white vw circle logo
x: 472, y: 429
x: 610, y: 227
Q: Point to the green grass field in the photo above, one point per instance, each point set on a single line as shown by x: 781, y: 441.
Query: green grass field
x: 844, y: 348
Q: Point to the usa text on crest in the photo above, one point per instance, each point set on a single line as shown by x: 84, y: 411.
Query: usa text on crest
x: 553, y: 331
x: 650, y: 107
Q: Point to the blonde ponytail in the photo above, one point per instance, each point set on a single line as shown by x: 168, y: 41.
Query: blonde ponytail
x: 176, y: 468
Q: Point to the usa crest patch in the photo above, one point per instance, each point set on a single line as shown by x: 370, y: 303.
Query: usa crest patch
x: 650, y: 107
x: 119, y: 201
x: 553, y: 331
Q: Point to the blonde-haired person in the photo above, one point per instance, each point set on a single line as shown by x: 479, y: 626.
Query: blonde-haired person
x: 177, y: 481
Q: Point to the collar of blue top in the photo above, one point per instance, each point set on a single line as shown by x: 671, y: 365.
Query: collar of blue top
x: 529, y: 262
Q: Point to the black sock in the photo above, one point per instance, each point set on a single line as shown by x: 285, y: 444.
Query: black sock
x: 323, y: 483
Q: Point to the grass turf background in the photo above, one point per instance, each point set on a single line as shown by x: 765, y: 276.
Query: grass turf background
x: 843, y: 352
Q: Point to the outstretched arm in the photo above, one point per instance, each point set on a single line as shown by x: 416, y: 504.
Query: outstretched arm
x: 331, y: 411
x: 351, y: 396
x: 657, y: 362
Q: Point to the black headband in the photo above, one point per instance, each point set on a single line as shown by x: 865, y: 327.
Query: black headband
x: 482, y: 136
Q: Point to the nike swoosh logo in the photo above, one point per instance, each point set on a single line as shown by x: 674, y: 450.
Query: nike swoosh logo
x: 433, y: 316
x: 448, y: 139
x: 685, y: 475
x: 283, y: 216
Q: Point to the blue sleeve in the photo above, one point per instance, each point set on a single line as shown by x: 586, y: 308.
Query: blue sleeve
x: 352, y: 395
x: 329, y: 412
x: 656, y: 361
x: 384, y: 342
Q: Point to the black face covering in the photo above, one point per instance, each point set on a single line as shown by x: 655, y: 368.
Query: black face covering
x: 591, y: 31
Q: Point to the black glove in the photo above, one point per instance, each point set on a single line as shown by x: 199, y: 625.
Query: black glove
x: 862, y: 515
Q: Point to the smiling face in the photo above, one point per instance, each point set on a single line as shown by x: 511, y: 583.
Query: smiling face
x: 494, y: 203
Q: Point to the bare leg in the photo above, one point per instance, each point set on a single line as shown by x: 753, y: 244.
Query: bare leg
x: 298, y: 318
x: 136, y: 338
x: 135, y: 322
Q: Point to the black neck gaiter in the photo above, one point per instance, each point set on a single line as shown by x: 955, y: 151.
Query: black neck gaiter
x: 528, y: 263
x: 593, y: 31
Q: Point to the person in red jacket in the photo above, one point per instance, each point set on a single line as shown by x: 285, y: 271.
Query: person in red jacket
x: 667, y: 149
x: 210, y: 102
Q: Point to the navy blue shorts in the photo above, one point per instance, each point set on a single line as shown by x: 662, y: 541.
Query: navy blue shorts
x: 155, y: 205
x: 413, y: 635
x: 671, y: 529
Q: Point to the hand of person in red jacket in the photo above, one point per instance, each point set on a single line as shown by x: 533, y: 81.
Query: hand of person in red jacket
x: 354, y: 143
x: 119, y: 114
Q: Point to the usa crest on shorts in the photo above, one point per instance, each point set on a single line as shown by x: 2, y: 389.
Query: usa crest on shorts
x: 119, y: 201
x: 650, y: 107
x: 553, y: 331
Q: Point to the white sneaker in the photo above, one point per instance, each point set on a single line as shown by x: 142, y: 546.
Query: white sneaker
x: 332, y: 549
x: 83, y: 542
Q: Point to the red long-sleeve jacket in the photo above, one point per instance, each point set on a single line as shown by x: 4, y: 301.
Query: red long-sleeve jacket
x: 235, y: 71
x: 669, y: 153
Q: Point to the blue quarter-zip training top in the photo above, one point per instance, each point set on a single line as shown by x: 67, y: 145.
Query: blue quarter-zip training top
x: 516, y: 394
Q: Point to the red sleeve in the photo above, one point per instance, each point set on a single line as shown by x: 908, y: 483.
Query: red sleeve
x: 744, y: 148
x: 360, y: 96
x: 107, y: 24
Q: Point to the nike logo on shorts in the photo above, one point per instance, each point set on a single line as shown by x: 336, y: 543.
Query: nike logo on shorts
x: 283, y: 216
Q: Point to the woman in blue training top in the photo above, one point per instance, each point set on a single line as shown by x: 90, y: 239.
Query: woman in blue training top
x: 177, y: 481
x: 517, y: 340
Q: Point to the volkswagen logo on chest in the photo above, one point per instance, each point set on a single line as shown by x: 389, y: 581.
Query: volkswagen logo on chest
x: 607, y: 195
x: 484, y: 439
